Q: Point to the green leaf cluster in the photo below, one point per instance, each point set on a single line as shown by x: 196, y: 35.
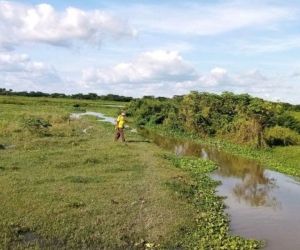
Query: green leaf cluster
x: 238, y: 118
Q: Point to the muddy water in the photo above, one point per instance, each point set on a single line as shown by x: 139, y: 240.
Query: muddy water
x: 262, y: 204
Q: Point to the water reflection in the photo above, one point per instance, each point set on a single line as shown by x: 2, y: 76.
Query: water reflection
x: 251, y: 184
x: 256, y: 192
x: 204, y: 154
x: 253, y: 195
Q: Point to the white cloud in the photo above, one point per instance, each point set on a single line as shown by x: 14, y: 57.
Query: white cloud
x: 166, y: 73
x: 295, y: 74
x: 204, y: 19
x: 216, y: 76
x: 19, y: 72
x: 159, y: 73
x: 21, y: 23
x: 149, y: 67
x: 283, y: 43
x: 12, y: 62
x: 254, y: 82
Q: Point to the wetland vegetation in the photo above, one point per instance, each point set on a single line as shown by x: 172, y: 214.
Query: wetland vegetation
x: 239, y: 124
x: 66, y: 184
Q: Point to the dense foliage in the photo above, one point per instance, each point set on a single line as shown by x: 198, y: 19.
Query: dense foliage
x: 238, y: 118
x: 89, y: 96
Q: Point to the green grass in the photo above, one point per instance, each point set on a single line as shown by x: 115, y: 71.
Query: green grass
x: 296, y: 114
x: 75, y: 190
x: 63, y: 188
x: 289, y: 156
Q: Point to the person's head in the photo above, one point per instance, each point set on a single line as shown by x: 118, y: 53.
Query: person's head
x: 123, y: 113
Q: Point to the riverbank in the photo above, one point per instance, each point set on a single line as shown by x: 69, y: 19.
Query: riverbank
x: 282, y: 159
x: 66, y: 186
x: 212, y: 230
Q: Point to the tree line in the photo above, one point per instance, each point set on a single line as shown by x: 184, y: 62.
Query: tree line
x: 238, y: 118
x: 89, y: 96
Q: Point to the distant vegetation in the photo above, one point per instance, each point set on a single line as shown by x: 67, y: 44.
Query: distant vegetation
x: 89, y: 96
x: 238, y: 118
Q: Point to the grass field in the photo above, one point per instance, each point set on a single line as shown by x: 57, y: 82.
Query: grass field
x: 63, y: 188
x: 72, y: 189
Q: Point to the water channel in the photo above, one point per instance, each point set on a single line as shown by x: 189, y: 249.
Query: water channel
x: 262, y: 204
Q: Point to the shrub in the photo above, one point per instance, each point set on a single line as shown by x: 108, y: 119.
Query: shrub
x: 243, y: 130
x: 280, y: 136
x: 239, y: 118
x: 288, y: 121
x: 78, y: 108
x: 37, y: 125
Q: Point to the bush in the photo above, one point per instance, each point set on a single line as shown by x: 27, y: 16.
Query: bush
x: 78, y: 108
x: 280, y: 136
x: 238, y: 118
x: 243, y: 131
x: 288, y: 121
x: 37, y: 125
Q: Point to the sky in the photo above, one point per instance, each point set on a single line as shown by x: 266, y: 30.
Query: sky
x: 160, y: 48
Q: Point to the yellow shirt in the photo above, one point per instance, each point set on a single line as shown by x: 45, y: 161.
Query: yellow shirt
x: 120, y: 121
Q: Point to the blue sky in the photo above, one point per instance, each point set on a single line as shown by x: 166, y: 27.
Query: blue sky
x: 156, y: 48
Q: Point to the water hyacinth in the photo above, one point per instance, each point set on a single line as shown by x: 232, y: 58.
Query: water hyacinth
x: 212, y: 223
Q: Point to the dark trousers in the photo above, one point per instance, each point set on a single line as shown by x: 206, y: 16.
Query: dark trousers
x: 120, y: 133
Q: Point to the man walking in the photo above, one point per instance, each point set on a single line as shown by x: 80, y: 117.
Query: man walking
x: 120, y: 127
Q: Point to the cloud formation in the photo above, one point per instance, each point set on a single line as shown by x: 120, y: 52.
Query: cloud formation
x: 42, y: 23
x: 239, y: 34
x: 263, y: 46
x: 208, y: 19
x: 167, y: 73
x: 149, y: 67
x: 19, y: 72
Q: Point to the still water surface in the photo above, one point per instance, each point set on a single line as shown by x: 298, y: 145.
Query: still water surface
x: 262, y: 204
